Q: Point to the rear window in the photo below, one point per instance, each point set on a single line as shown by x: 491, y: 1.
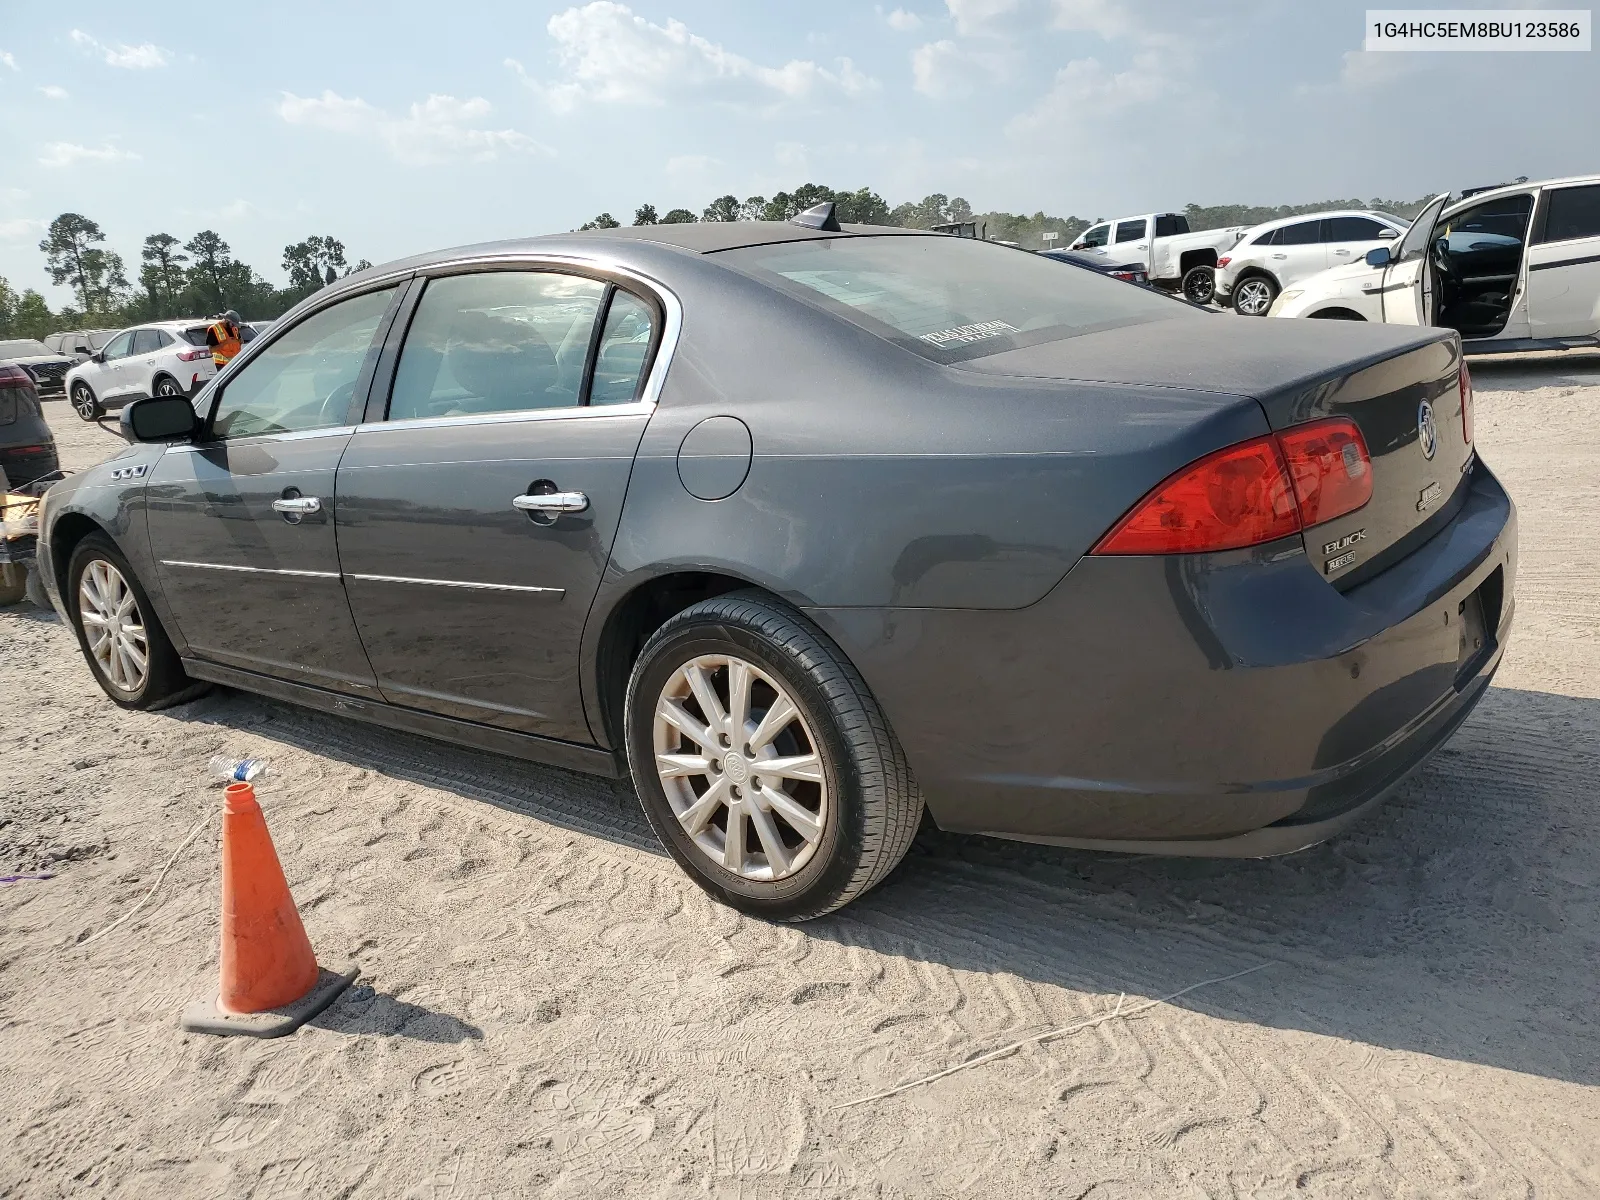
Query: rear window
x: 950, y: 299
x: 8, y: 405
x: 24, y: 348
x: 195, y: 335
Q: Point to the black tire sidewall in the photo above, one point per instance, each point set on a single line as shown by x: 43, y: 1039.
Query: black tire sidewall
x: 94, y: 402
x: 165, y: 676
x: 1211, y: 290
x: 166, y: 381
x: 832, y: 866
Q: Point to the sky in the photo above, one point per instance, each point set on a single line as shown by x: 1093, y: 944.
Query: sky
x: 403, y: 127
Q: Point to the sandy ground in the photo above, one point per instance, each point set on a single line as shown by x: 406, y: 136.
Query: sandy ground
x: 548, y: 1008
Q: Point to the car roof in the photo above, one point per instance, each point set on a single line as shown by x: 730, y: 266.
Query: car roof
x: 1331, y: 212
x: 1512, y: 188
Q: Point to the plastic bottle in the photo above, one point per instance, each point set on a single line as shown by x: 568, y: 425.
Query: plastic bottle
x: 234, y: 770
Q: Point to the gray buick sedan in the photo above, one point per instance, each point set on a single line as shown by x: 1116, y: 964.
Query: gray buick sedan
x: 808, y: 527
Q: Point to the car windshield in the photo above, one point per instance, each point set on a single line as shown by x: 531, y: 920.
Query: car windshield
x: 22, y: 348
x: 950, y: 299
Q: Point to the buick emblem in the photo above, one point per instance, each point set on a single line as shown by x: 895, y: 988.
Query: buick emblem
x: 1427, y: 430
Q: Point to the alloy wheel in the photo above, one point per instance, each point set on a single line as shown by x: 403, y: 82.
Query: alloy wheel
x: 740, y: 767
x: 1199, y: 285
x: 166, y: 388
x: 83, y: 400
x: 1255, y: 297
x: 113, y: 626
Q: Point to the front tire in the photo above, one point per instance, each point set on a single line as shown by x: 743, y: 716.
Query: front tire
x: 122, y: 640
x: 763, y: 762
x: 1253, y: 295
x: 85, y: 404
x: 1199, y: 285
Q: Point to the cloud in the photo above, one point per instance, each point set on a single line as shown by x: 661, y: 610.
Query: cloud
x: 20, y: 229
x: 609, y: 55
x: 986, y: 16
x: 65, y: 154
x: 691, y: 165
x: 438, y: 129
x: 902, y: 21
x: 7, y: 60
x: 1086, y: 88
x: 54, y: 92
x: 130, y: 58
x: 944, y: 68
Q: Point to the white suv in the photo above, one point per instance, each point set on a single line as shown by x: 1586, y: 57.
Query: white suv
x: 1278, y: 254
x: 166, y: 358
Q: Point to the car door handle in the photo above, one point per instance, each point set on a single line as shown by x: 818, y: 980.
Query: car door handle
x: 297, y: 506
x: 1280, y: 256
x: 1343, y: 252
x: 552, y: 503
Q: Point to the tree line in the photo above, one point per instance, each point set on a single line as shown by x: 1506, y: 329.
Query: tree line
x: 200, y: 276
x: 193, y: 278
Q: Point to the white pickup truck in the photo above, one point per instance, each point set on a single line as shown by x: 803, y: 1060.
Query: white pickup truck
x: 1175, y: 259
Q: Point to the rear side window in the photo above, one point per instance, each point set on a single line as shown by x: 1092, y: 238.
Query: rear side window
x: 163, y: 339
x: 1353, y: 229
x: 624, y: 349
x: 501, y: 341
x: 1574, y: 213
x: 1302, y: 234
x: 950, y: 299
x: 195, y: 335
x: 1130, y: 231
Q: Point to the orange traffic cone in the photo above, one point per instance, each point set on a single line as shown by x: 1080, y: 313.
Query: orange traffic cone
x: 271, y: 984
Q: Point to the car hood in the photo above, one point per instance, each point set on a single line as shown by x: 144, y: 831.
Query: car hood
x: 1194, y: 352
x: 39, y: 360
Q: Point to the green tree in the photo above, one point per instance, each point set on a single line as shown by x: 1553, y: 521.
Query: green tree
x: 213, y: 275
x: 753, y: 209
x: 73, y: 258
x: 24, y: 316
x: 604, y: 221
x: 645, y: 214
x: 678, y: 216
x: 862, y: 206
x: 310, y: 262
x: 162, y: 274
x: 723, y: 208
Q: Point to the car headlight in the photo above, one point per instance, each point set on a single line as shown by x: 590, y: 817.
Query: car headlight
x: 1291, y: 294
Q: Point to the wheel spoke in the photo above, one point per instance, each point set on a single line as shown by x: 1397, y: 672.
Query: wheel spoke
x: 674, y: 714
x: 710, y: 706
x: 738, y: 697
x: 694, y: 817
x: 136, y: 657
x: 771, y: 843
x: 92, y: 618
x: 733, y: 844
x: 676, y: 766
x: 801, y: 766
x: 777, y: 717
x: 800, y: 819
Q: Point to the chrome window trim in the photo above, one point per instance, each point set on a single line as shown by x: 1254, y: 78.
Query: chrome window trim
x: 581, y: 412
x: 290, y: 435
x: 557, y: 593
x: 200, y: 566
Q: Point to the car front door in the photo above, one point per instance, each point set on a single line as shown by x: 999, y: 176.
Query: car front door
x: 1094, y: 239
x: 140, y: 364
x: 243, y: 523
x: 1564, y: 264
x: 109, y: 380
x: 477, y: 508
x: 1349, y: 238
x: 1407, y: 284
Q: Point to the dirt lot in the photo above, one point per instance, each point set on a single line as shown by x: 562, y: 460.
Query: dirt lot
x: 549, y: 1008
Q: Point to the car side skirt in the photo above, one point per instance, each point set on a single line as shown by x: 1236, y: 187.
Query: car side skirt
x: 1525, y: 345
x: 587, y: 759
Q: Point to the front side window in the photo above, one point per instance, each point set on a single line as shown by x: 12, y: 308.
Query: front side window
x: 1303, y: 234
x: 1098, y: 236
x: 624, y: 349
x: 1353, y: 229
x: 501, y: 341
x: 119, y: 346
x: 1486, y: 239
x: 949, y: 299
x: 1574, y: 213
x: 307, y: 378
x: 1130, y: 231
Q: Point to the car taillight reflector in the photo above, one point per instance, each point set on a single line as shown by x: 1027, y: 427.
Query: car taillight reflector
x: 193, y: 355
x: 1465, y: 384
x: 1257, y: 491
x: 1224, y: 260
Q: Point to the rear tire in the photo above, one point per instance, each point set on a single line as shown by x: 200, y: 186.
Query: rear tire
x: 127, y: 650
x: 84, y: 402
x: 13, y: 583
x: 1199, y: 285
x: 846, y: 807
x: 167, y: 386
x: 1253, y: 295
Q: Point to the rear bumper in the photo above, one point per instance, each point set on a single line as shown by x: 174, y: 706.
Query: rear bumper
x: 1226, y: 704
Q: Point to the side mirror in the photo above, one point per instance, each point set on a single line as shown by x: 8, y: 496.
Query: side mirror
x: 1388, y: 234
x: 159, y: 419
x: 1378, y: 256
x: 98, y: 356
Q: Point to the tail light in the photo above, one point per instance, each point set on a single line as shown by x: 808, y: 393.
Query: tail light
x: 194, y: 355
x: 13, y: 375
x: 1465, y: 384
x: 1257, y: 491
x: 1224, y: 260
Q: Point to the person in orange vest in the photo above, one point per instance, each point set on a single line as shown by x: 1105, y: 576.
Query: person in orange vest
x: 223, y: 338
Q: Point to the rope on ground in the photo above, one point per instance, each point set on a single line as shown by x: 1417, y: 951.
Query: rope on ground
x: 135, y: 910
x: 1050, y: 1035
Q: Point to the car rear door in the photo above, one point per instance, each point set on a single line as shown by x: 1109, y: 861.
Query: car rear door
x: 1298, y: 252
x: 139, y: 367
x: 1564, y: 263
x: 478, y: 504
x: 243, y: 522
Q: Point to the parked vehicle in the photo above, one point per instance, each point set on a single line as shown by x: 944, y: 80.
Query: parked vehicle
x: 27, y: 447
x: 166, y: 358
x: 1279, y: 254
x: 79, y: 344
x: 1127, y: 272
x: 1176, y: 259
x: 45, y: 366
x: 1511, y: 268
x: 809, y: 527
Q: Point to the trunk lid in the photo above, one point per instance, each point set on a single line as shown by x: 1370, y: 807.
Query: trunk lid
x: 1398, y: 384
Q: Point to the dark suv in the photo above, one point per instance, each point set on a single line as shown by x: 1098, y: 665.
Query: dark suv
x: 27, y: 448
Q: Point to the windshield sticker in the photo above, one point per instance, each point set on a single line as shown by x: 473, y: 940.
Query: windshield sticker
x: 962, y: 335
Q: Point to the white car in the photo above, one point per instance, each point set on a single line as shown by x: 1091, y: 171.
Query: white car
x: 1509, y: 268
x: 164, y: 358
x: 1174, y: 258
x: 1279, y: 254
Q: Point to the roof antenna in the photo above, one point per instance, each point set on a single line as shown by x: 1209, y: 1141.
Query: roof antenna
x: 820, y: 217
